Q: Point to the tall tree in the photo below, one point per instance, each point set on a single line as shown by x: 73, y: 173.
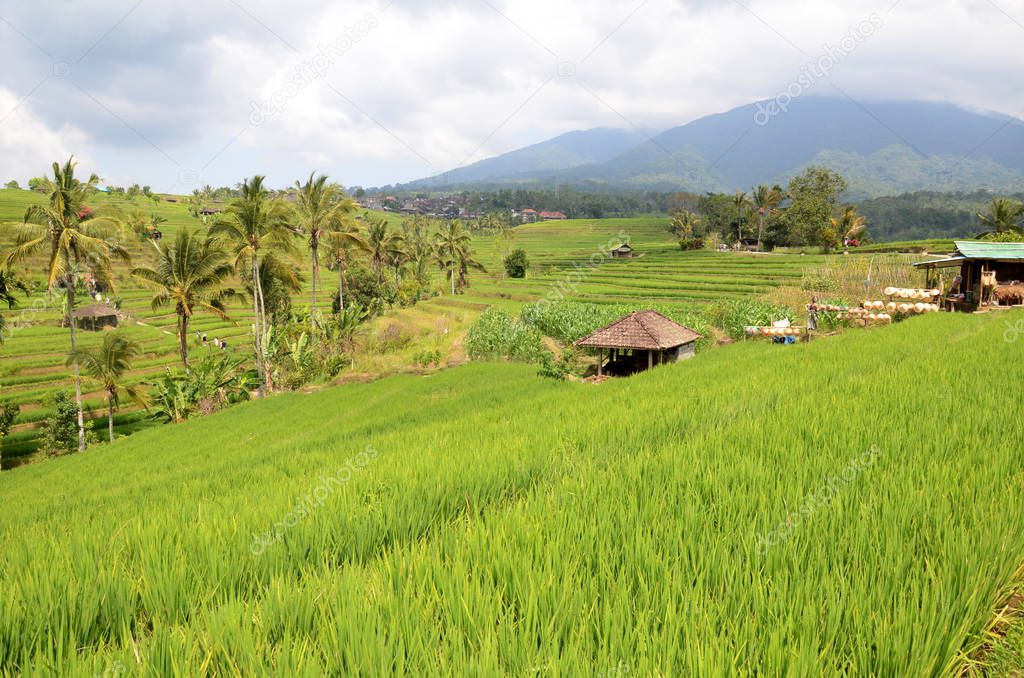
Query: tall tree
x: 419, y: 247
x: 454, y: 249
x: 766, y: 201
x: 813, y: 197
x: 191, y: 273
x: 741, y: 203
x: 108, y: 364
x: 253, y: 224
x: 1004, y: 215
x: 76, y: 237
x: 384, y: 245
x: 345, y: 237
x: 684, y: 224
x: 321, y: 208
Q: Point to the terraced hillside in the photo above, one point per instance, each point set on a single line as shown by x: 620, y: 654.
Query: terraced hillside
x: 568, y: 259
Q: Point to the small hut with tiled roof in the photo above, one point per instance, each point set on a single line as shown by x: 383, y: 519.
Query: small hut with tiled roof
x: 643, y: 334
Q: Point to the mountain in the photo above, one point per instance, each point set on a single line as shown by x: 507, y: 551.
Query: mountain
x: 882, y: 148
x: 565, y: 151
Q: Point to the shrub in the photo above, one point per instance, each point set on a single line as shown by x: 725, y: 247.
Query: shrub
x: 60, y: 429
x: 393, y: 338
x: 8, y: 413
x: 516, y: 264
x: 556, y: 368
x: 213, y: 383
x: 427, y: 358
x: 689, y: 244
x: 364, y: 290
x: 496, y: 335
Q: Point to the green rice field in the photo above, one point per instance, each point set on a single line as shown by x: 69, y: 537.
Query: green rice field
x: 851, y: 506
x: 568, y: 260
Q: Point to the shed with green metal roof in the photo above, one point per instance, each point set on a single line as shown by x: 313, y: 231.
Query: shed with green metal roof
x: 990, y: 272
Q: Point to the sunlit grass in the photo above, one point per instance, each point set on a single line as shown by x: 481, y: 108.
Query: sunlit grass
x: 508, y: 524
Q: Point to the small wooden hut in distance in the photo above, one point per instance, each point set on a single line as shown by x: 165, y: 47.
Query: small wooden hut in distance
x: 640, y: 341
x: 623, y: 251
x: 95, y: 317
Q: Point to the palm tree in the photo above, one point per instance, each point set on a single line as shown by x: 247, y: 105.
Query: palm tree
x: 400, y: 255
x: 849, y: 225
x: 76, y: 237
x: 321, y: 208
x: 742, y: 203
x: 684, y: 224
x: 280, y: 279
x: 453, y: 246
x: 419, y: 247
x: 766, y: 201
x: 339, y: 241
x: 190, y: 274
x: 252, y: 224
x: 384, y: 245
x: 1003, y: 215
x: 108, y: 364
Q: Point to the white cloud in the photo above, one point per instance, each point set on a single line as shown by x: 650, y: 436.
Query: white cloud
x: 433, y: 85
x: 27, y: 145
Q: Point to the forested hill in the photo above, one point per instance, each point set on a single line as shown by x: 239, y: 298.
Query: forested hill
x: 926, y: 214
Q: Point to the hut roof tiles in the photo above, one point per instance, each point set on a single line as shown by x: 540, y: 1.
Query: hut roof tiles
x: 644, y: 330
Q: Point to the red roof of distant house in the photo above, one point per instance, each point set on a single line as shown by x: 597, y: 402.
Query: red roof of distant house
x: 529, y: 211
x: 552, y: 215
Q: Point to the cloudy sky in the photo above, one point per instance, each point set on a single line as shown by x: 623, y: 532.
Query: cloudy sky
x: 179, y: 94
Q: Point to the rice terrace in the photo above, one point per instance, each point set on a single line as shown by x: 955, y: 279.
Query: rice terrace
x: 392, y: 381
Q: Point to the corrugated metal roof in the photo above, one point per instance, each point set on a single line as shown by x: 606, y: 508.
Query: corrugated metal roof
x: 641, y: 330
x: 944, y: 262
x: 972, y: 249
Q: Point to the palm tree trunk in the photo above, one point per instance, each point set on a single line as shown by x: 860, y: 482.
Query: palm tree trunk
x: 263, y: 304
x: 183, y: 339
x: 110, y: 416
x: 256, y: 330
x: 760, y: 228
x: 313, y: 246
x: 70, y: 282
x: 342, y: 282
x: 263, y: 320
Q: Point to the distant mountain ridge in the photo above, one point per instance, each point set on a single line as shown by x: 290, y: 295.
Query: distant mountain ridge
x: 565, y: 151
x: 882, y: 148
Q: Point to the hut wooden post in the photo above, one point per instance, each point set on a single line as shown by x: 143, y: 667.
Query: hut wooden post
x: 600, y: 360
x: 650, y: 359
